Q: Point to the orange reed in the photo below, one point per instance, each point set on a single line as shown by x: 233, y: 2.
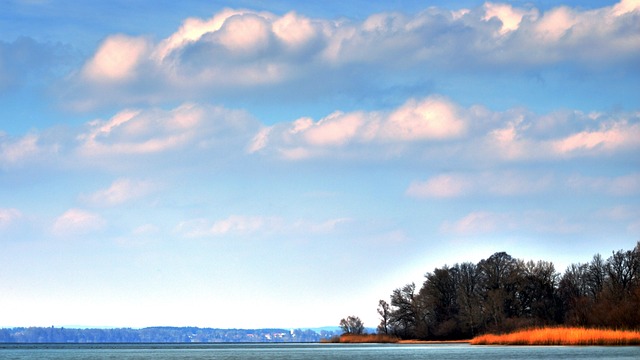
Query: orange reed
x: 561, y: 336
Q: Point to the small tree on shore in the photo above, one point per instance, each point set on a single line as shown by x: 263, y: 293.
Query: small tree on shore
x: 352, y: 325
x: 385, y: 312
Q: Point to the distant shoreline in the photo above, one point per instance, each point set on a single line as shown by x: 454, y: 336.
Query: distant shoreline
x: 160, y: 334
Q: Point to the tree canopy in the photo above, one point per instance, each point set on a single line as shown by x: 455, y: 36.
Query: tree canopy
x: 502, y: 293
x: 352, y: 325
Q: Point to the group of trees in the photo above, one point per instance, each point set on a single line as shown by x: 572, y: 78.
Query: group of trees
x: 502, y: 294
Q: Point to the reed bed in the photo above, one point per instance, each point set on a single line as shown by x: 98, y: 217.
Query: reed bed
x: 561, y: 336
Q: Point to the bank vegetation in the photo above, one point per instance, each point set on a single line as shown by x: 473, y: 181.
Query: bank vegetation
x: 561, y: 336
x: 502, y: 294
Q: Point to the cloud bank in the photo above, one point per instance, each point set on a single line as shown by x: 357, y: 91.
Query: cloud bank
x: 239, y: 49
x: 435, y: 127
x: 423, y: 130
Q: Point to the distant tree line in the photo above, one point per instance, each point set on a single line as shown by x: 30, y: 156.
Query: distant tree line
x: 158, y: 335
x: 501, y: 294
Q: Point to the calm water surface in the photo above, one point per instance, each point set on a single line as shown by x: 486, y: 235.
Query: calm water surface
x: 308, y: 351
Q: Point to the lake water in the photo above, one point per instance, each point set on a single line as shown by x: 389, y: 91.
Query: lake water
x: 308, y: 351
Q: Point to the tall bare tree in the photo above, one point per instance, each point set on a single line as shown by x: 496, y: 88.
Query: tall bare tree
x: 385, y: 315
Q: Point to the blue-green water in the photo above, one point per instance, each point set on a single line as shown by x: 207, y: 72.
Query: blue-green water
x: 307, y: 351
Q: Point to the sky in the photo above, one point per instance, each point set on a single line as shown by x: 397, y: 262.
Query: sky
x: 255, y: 164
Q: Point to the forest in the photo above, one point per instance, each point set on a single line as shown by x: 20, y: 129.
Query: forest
x: 502, y: 294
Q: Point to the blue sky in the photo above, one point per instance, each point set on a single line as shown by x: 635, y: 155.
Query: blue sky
x: 286, y: 164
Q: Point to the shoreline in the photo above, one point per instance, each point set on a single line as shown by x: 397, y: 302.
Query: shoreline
x: 434, y: 342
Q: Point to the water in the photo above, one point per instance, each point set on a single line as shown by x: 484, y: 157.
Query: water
x: 307, y: 351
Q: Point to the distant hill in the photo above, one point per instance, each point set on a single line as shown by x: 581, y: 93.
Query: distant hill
x: 162, y: 335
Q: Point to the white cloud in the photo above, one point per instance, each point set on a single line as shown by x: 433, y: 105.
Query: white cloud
x: 246, y: 49
x: 117, y: 59
x: 133, y: 132
x: 121, y: 191
x: 559, y: 135
x: 509, y: 16
x: 153, y: 131
x: 234, y: 225
x: 496, y: 183
x: 259, y: 141
x: 508, y: 141
x: 206, y: 53
x: 436, y: 128
x: 192, y: 30
x: 475, y: 223
x: 245, y: 34
x: 441, y: 186
x: 9, y: 216
x: 625, y: 7
x: 238, y: 224
x: 20, y: 152
x: 77, y: 222
x: 426, y: 130
x: 432, y: 118
x: 554, y: 24
x: 295, y: 30
x: 336, y: 129
x: 610, y: 137
x: 479, y: 223
x: 514, y: 183
x: 244, y: 225
x: 12, y: 152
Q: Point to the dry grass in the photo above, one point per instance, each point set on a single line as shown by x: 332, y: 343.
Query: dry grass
x: 366, y: 338
x: 561, y: 336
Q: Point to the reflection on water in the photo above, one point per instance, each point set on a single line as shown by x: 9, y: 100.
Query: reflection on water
x: 308, y: 351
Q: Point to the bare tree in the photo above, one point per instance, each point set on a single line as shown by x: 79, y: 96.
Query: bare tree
x: 352, y: 325
x: 574, y: 292
x: 404, y: 315
x: 623, y: 269
x: 385, y: 312
x: 440, y: 300
x: 596, y: 275
x: 469, y: 298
